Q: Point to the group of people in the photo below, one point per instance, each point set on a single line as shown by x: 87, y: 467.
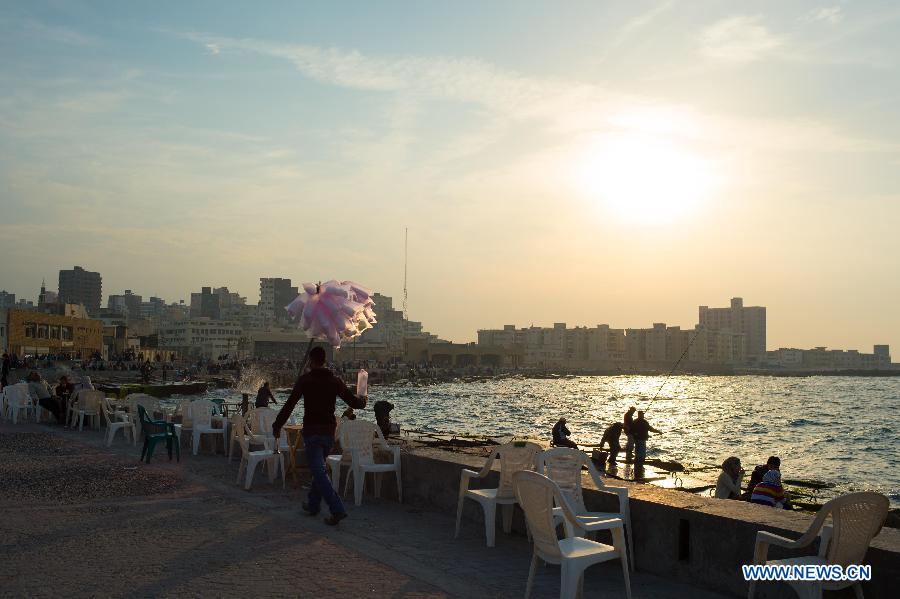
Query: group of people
x: 764, y: 488
x: 53, y: 399
x: 637, y: 433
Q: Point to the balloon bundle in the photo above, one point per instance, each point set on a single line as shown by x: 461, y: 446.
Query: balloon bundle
x: 333, y: 311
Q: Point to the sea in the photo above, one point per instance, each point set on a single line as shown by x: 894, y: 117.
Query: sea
x: 843, y: 431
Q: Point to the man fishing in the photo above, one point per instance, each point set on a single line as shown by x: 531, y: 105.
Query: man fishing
x: 640, y: 430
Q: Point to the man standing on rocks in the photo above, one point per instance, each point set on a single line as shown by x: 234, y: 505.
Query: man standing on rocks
x: 319, y: 389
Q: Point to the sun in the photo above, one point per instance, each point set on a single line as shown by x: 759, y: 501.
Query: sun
x: 642, y: 178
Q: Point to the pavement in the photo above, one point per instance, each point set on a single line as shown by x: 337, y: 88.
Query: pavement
x: 82, y: 520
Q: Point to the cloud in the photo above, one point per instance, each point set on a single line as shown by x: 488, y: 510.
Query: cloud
x: 642, y: 20
x: 739, y: 39
x: 56, y: 33
x: 827, y: 14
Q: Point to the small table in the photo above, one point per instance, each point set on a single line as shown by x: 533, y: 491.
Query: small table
x: 294, y: 434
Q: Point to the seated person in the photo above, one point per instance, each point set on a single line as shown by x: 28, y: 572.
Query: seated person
x: 382, y: 410
x: 770, y: 492
x: 729, y: 484
x: 773, y: 463
x: 40, y: 392
x: 561, y: 435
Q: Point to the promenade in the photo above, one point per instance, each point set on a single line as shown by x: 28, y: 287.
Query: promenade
x: 80, y: 519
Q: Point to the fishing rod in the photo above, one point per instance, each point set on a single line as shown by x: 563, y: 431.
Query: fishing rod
x: 677, y: 362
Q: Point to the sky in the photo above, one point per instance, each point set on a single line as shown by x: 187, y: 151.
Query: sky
x: 586, y: 162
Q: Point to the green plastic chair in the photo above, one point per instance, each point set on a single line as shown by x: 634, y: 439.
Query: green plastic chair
x: 156, y: 431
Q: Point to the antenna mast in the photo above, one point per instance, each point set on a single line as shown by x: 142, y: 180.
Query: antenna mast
x: 405, y: 263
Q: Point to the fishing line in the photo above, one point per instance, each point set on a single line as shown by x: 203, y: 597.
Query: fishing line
x: 677, y: 362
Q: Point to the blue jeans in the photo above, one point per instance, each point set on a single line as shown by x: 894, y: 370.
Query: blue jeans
x: 317, y: 447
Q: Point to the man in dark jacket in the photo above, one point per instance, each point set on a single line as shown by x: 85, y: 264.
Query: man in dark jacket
x: 264, y: 396
x: 320, y: 389
x: 561, y: 434
x: 641, y: 430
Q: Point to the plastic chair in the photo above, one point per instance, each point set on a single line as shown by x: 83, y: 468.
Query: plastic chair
x: 514, y: 457
x: 156, y: 431
x: 18, y: 398
x: 251, y: 459
x: 88, y: 404
x: 150, y: 404
x: 238, y: 426
x: 116, y: 421
x: 539, y: 497
x: 200, y: 412
x: 563, y: 465
x: 855, y: 520
x: 358, y: 438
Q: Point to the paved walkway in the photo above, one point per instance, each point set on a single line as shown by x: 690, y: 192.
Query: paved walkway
x: 79, y: 519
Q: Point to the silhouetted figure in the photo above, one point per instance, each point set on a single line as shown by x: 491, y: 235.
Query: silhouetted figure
x: 561, y: 435
x: 383, y: 416
x: 640, y: 430
x: 627, y: 420
x: 264, y: 396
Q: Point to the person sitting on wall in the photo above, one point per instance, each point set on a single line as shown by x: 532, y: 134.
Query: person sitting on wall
x: 756, y: 477
x: 561, y: 435
x: 729, y: 484
x: 264, y: 396
x: 382, y: 410
x: 770, y: 492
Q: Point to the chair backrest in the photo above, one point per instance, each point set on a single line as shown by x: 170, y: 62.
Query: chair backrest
x: 90, y: 401
x: 514, y: 457
x: 260, y: 420
x: 359, y: 435
x: 537, y: 495
x: 200, y: 412
x: 18, y: 395
x: 856, y: 519
x: 184, y: 408
x: 108, y: 410
x: 563, y: 466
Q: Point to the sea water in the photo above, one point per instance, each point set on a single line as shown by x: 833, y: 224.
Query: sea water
x: 840, y: 430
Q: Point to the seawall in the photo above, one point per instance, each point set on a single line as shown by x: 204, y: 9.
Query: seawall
x: 698, y: 540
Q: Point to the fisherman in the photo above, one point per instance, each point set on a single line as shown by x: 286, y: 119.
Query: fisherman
x: 626, y: 426
x: 640, y: 430
x: 264, y: 396
x: 729, y: 484
x: 146, y: 369
x: 561, y: 435
x: 611, y: 436
x: 319, y: 389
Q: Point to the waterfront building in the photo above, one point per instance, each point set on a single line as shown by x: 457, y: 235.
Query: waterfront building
x: 29, y: 332
x: 201, y: 337
x: 275, y: 294
x: 392, y: 328
x: 127, y: 304
x: 289, y: 344
x: 216, y: 303
x: 4, y: 340
x: 824, y: 359
x: 154, y: 308
x: 749, y: 320
x: 460, y: 355
x: 80, y: 286
x: 7, y: 300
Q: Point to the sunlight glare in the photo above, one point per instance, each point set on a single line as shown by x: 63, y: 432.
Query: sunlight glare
x: 644, y: 178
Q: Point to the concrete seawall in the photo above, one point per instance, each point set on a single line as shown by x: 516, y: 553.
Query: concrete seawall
x: 698, y: 540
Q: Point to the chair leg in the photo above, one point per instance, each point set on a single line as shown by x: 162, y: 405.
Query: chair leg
x: 490, y: 522
x: 283, y: 473
x: 507, y: 517
x: 359, y: 485
x: 399, y: 486
x: 241, y: 471
x: 857, y: 591
x: 196, y: 442
x: 531, y: 570
x: 251, y: 470
x: 459, y: 511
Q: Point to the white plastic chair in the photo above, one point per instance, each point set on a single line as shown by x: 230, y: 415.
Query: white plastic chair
x: 18, y: 398
x: 200, y: 412
x: 514, y: 457
x: 855, y: 520
x: 251, y: 459
x: 539, y: 497
x: 563, y: 465
x: 116, y: 421
x: 88, y: 404
x: 238, y: 426
x: 358, y: 437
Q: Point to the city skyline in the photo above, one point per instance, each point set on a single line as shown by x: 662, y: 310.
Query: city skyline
x: 189, y: 301
x: 640, y: 160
